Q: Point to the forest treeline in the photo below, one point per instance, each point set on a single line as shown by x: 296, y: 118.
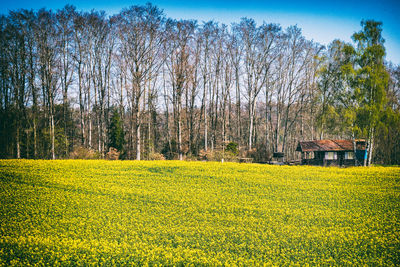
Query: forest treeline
x: 151, y: 86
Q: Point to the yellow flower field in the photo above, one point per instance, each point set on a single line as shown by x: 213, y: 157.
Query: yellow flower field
x: 71, y: 212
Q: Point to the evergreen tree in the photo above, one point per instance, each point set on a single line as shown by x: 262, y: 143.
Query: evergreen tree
x: 116, y: 132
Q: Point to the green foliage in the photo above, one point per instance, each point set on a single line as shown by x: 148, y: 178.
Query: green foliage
x: 170, y: 213
x: 371, y: 77
x: 388, y: 136
x: 233, y: 148
x: 60, y: 141
x: 332, y: 85
x: 170, y: 151
x: 7, y: 133
x: 353, y: 84
x: 116, y: 131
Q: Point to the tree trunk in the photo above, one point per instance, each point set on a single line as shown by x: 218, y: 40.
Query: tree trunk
x: 354, y: 149
x: 65, y: 100
x: 167, y: 112
x: 81, y: 105
x: 205, y: 118
x: 89, y: 110
x: 180, y: 133
x: 251, y: 117
x: 132, y: 133
x: 34, y: 137
x: 138, y: 129
x: 138, y: 148
x: 238, y: 111
x: 266, y: 119
x: 18, y: 143
x: 150, y: 147
x: 277, y: 128
x: 52, y: 134
x: 371, y: 148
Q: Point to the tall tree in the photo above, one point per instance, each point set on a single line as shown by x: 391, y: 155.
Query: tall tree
x: 64, y: 31
x: 46, y: 40
x: 65, y: 69
x: 140, y: 35
x: 80, y: 57
x: 180, y: 34
x: 18, y: 73
x: 330, y: 84
x: 371, y: 80
x: 235, y: 49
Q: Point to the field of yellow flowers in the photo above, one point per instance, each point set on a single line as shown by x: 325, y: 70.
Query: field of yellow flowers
x: 76, y: 212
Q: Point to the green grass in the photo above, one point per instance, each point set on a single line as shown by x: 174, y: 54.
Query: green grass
x: 173, y: 213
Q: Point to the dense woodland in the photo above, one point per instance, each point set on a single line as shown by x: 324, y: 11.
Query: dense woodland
x: 154, y: 87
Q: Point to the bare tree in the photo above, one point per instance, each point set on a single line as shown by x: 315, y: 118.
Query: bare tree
x: 258, y: 44
x: 18, y: 71
x: 192, y: 90
x: 235, y: 51
x: 46, y: 40
x: 180, y: 34
x: 295, y: 56
x: 80, y: 57
x: 139, y: 33
x: 64, y: 31
x: 227, y: 71
x: 61, y: 74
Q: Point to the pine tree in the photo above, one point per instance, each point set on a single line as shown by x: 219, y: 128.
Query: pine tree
x: 116, y: 132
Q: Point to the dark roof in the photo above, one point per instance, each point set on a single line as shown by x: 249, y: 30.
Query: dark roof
x: 330, y: 145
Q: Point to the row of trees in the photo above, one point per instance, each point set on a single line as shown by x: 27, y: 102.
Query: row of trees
x: 145, y: 84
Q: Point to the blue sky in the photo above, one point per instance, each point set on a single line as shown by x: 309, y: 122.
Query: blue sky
x: 321, y: 21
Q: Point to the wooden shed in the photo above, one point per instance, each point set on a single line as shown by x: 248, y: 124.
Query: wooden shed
x: 332, y: 152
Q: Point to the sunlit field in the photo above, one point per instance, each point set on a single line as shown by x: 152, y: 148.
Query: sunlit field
x: 171, y: 213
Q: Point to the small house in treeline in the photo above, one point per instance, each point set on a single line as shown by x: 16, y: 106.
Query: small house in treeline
x: 332, y: 152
